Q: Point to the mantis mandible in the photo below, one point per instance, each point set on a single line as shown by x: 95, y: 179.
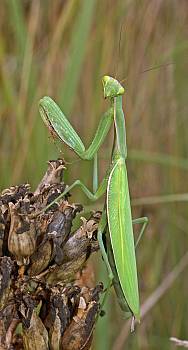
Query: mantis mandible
x: 116, y: 217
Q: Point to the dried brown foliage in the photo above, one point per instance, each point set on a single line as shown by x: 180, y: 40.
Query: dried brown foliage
x: 45, y: 300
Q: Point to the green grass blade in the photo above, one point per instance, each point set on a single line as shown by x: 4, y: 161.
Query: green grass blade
x: 159, y: 158
x: 18, y: 23
x: 78, y: 45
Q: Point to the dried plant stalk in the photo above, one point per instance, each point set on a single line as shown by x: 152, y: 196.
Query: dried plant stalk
x: 45, y: 302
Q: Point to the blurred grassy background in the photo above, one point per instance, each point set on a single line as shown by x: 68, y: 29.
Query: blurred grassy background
x: 62, y: 49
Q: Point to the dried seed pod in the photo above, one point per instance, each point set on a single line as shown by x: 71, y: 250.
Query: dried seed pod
x: 58, y: 231
x: 40, y: 259
x: 22, y: 236
x: 60, y: 227
x: 51, y: 186
x: 75, y: 252
x: 78, y: 335
x: 6, y: 267
x: 47, y: 196
x: 65, y: 273
x: 2, y: 231
x: 2, y: 336
x: 55, y: 333
x: 14, y: 193
x: 35, y: 336
x: 8, y: 324
x: 53, y: 175
x: 83, y: 240
x: 58, y: 318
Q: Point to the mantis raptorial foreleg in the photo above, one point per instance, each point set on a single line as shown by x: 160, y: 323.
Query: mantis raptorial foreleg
x: 57, y: 122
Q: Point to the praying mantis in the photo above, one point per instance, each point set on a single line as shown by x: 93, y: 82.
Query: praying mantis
x: 116, y: 220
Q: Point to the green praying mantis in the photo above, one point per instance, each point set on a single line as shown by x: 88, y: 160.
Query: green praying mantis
x: 116, y: 220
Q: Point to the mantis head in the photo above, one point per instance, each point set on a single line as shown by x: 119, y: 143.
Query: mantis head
x: 112, y: 87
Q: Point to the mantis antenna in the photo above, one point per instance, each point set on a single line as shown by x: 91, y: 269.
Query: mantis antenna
x: 151, y: 68
x: 119, y: 49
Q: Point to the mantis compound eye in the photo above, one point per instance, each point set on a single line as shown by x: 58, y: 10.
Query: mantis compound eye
x: 112, y: 87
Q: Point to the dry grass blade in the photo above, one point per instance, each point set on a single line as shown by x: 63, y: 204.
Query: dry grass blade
x: 178, y: 342
x: 24, y: 86
x: 169, y: 198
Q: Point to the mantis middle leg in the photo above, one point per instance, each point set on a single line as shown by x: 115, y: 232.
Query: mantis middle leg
x: 144, y: 222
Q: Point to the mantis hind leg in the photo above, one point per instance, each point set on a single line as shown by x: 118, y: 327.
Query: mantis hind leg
x: 101, y: 228
x: 144, y: 222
